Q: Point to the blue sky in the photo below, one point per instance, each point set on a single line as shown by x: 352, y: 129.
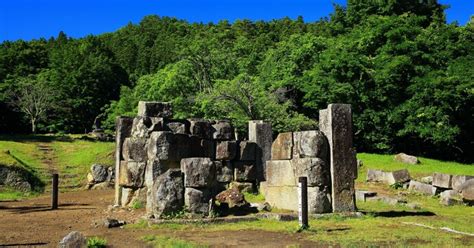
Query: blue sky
x: 32, y: 19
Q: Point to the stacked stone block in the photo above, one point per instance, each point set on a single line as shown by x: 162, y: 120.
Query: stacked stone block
x: 178, y: 162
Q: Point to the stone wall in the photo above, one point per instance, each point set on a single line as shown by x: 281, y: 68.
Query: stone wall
x: 169, y: 164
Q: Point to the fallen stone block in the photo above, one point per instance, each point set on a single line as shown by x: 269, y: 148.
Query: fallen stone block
x: 226, y: 150
x: 399, y: 176
x: 134, y: 149
x: 132, y: 174
x: 224, y: 171
x: 315, y: 169
x: 467, y: 191
x: 310, y: 144
x: 197, y: 200
x: 422, y: 188
x: 450, y: 197
x: 247, y: 151
x: 168, y: 193
x: 282, y: 147
x: 406, y: 159
x: 198, y: 172
x: 155, y: 109
x: 362, y: 195
x: 222, y: 130
x: 245, y: 171
x: 442, y: 180
x: 375, y: 175
x: 458, y: 180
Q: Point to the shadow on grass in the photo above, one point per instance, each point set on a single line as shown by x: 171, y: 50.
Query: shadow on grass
x: 397, y: 214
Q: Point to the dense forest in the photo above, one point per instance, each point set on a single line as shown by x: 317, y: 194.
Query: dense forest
x: 407, y: 73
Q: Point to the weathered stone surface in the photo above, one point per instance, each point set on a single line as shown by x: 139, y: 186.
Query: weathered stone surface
x: 155, y: 109
x: 315, y: 169
x: 139, y: 195
x: 177, y: 127
x: 110, y: 174
x: 99, y: 173
x: 375, y: 175
x: 428, y: 179
x: 14, y: 177
x: 245, y: 171
x: 399, y: 176
x: 362, y: 195
x: 467, y: 191
x: 261, y: 133
x: 132, y: 174
x: 450, y: 197
x: 73, y: 240
x: 198, y: 172
x: 140, y: 127
x: 202, y: 147
x: 224, y: 171
x: 232, y: 197
x: 457, y: 181
x: 280, y: 173
x: 247, y: 151
x: 286, y: 197
x: 127, y: 196
x: 168, y: 193
x: 197, y: 200
x: 200, y: 128
x: 442, y: 180
x: 222, y: 130
x: 226, y: 150
x: 123, y: 128
x: 244, y: 187
x: 154, y: 168
x: 422, y: 188
x: 310, y: 144
x: 102, y: 186
x: 407, y: 159
x: 336, y: 124
x: 134, y: 149
x: 282, y: 147
x: 168, y: 146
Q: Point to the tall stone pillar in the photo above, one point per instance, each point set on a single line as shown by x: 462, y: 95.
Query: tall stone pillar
x: 260, y: 132
x: 336, y: 123
x: 123, y: 128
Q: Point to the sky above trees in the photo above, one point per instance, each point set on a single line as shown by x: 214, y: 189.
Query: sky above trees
x: 33, y: 19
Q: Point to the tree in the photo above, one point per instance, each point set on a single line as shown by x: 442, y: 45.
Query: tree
x: 33, y: 99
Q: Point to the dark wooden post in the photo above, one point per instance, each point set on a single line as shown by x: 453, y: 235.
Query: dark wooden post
x: 54, y: 192
x: 303, y: 202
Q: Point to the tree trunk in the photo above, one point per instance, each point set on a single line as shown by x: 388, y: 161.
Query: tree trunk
x: 33, y: 126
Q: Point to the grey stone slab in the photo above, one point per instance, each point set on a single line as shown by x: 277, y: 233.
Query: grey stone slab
x: 177, y: 127
x: 200, y: 128
x: 280, y: 173
x: 155, y: 109
x: 198, y: 172
x: 336, y: 124
x: 310, y: 144
x: 260, y: 132
x: 197, y: 200
x: 458, y: 180
x: 245, y: 171
x: 422, y: 188
x: 282, y: 147
x: 123, y: 128
x: 224, y: 171
x: 132, y: 174
x: 168, y: 146
x: 154, y: 168
x: 399, y: 176
x: 315, y: 169
x: 406, y: 159
x: 222, y: 130
x: 167, y: 194
x: 134, y: 149
x: 442, y: 180
x: 247, y: 151
x: 226, y: 150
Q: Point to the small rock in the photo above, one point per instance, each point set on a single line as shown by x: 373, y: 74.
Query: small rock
x: 407, y: 159
x: 73, y: 240
x: 232, y: 197
x: 111, y: 223
x: 99, y: 173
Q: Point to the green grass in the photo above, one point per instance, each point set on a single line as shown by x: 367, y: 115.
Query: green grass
x: 96, y: 242
x: 425, y: 168
x: 7, y: 194
x: 167, y: 242
x: 254, y: 198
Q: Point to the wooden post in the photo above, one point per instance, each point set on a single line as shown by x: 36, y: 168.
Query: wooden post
x: 303, y: 202
x: 54, y: 192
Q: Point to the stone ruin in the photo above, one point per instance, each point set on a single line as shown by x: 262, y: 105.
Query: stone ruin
x: 174, y: 164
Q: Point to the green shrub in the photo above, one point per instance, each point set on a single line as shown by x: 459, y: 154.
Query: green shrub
x: 96, y: 242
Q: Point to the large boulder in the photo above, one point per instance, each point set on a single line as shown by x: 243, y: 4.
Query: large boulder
x: 245, y: 171
x: 226, y: 150
x: 198, y: 172
x: 247, y: 151
x: 232, y: 197
x: 134, y: 149
x: 99, y: 173
x: 73, y: 240
x: 467, y: 191
x: 167, y: 194
x: 282, y: 147
x: 155, y: 109
x: 457, y: 181
x: 310, y: 144
x: 315, y: 169
x: 132, y: 174
x: 222, y: 130
x: 407, y: 159
x: 224, y: 171
x: 442, y: 180
x: 197, y: 200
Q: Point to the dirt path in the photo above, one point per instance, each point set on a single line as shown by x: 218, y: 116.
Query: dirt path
x: 30, y: 223
x: 48, y: 157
